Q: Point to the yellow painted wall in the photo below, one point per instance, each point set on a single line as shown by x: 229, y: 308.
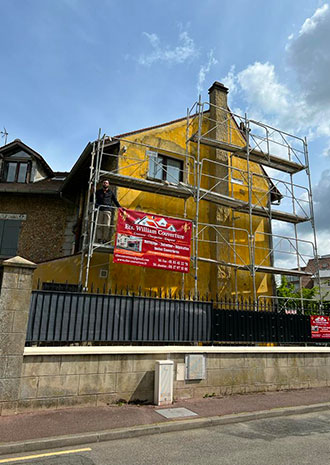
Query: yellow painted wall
x: 170, y: 140
x: 67, y: 269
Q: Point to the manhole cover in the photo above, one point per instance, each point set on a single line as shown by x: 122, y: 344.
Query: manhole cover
x: 176, y: 412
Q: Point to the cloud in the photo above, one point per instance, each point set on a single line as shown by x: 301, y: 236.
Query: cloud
x: 261, y: 86
x: 302, y: 109
x: 204, y: 70
x: 230, y: 80
x: 321, y: 196
x: 311, y: 23
x: 267, y: 99
x: 308, y: 55
x: 183, y: 52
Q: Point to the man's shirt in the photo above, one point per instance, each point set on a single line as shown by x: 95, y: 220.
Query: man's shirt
x: 106, y: 198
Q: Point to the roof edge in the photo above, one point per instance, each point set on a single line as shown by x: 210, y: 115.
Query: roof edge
x: 37, y: 155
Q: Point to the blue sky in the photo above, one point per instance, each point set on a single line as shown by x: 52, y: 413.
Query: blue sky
x: 69, y: 67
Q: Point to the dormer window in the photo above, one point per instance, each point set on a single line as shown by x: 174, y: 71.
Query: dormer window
x: 16, y: 171
x: 19, y: 164
x: 17, y: 167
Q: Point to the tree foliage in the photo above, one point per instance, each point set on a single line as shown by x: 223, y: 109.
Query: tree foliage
x: 287, y: 289
x: 289, y: 295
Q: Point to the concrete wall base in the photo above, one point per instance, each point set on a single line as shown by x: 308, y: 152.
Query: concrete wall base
x: 59, y: 381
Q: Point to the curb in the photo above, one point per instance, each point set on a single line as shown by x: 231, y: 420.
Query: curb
x: 154, y: 428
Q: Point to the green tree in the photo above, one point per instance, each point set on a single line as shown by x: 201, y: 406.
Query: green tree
x: 289, y: 294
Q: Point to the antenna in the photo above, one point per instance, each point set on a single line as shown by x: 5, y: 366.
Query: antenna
x: 4, y: 134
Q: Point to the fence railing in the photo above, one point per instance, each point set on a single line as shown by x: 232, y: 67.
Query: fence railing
x: 64, y: 317
x: 263, y: 303
x: 250, y: 327
x: 60, y: 318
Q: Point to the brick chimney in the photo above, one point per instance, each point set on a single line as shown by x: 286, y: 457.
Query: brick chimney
x: 218, y: 106
x: 220, y: 215
x: 218, y: 94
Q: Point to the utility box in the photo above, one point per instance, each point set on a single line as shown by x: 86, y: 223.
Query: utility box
x: 164, y: 382
x: 195, y: 367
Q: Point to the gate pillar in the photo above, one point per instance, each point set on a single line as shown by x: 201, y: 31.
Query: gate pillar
x: 15, y: 295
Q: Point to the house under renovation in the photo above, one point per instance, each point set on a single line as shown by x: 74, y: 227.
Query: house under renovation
x: 231, y: 178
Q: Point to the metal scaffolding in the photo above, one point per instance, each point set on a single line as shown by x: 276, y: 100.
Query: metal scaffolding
x: 271, y: 181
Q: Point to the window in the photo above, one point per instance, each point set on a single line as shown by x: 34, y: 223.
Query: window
x: 165, y: 168
x: 9, y: 234
x: 16, y: 171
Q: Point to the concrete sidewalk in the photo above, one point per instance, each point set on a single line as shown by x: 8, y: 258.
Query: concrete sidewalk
x: 68, y: 427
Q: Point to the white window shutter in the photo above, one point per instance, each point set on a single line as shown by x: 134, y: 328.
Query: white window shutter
x: 152, y: 167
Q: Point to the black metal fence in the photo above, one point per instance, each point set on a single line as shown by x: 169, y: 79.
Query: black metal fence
x: 252, y: 326
x: 64, y: 317
x: 59, y: 317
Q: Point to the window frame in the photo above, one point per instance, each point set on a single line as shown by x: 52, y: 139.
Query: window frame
x: 18, y: 164
x: 161, y: 161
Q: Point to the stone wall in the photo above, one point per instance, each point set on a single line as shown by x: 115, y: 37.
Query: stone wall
x: 34, y: 378
x: 45, y: 234
x: 14, y: 310
x: 59, y: 381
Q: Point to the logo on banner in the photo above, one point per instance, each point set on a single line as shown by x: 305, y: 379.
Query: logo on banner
x: 151, y: 222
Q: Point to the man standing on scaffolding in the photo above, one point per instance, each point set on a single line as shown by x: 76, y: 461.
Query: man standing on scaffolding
x: 105, y: 202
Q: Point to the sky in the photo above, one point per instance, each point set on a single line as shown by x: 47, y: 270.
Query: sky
x: 70, y: 67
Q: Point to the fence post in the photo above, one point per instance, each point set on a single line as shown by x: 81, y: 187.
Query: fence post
x: 15, y: 296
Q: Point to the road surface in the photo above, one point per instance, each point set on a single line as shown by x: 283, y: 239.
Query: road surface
x: 292, y: 440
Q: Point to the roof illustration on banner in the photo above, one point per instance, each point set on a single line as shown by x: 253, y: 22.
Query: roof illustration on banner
x: 151, y: 222
x: 321, y: 319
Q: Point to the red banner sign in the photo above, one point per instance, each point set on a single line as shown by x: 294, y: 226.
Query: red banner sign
x: 320, y: 326
x: 153, y: 241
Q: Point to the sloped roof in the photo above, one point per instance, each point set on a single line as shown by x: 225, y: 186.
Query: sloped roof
x: 45, y: 186
x: 80, y: 170
x: 18, y: 144
x: 82, y: 161
x: 168, y: 123
x: 51, y: 185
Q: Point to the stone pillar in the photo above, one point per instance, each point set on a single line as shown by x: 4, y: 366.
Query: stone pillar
x: 15, y: 299
x: 220, y: 215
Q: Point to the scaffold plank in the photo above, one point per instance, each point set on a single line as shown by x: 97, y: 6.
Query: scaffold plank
x: 255, y: 156
x: 258, y: 268
x: 146, y: 185
x: 187, y: 190
x: 243, y: 207
x: 283, y: 271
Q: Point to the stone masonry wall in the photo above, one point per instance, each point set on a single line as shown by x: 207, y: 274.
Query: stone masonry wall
x: 43, y: 235
x: 14, y: 311
x: 90, y: 380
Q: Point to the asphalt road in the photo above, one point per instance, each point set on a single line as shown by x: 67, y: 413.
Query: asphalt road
x: 293, y: 440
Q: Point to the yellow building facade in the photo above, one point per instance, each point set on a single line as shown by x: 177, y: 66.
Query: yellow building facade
x: 222, y: 238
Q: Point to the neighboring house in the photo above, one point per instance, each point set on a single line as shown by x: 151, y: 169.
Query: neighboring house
x: 149, y: 170
x: 324, y: 274
x: 35, y: 221
x: 313, y: 265
x: 324, y: 284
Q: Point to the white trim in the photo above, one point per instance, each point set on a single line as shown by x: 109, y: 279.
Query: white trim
x: 129, y: 350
